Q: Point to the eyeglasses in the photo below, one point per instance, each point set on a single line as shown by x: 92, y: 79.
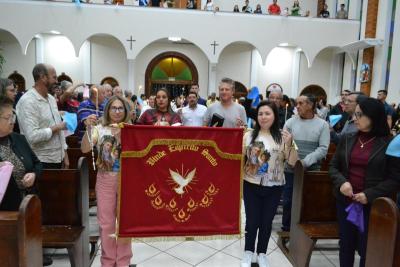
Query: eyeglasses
x: 358, y: 114
x: 11, y: 119
x: 117, y: 109
x: 349, y: 101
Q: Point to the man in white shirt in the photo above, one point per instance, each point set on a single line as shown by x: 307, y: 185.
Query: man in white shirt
x: 149, y: 105
x: 40, y: 121
x: 193, y: 114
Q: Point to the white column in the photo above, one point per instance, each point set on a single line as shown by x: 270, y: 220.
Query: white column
x: 86, y: 61
x: 349, y: 74
x: 254, y: 68
x: 362, y: 36
x: 295, y: 73
x: 39, y: 49
x: 336, y: 78
x: 354, y: 9
x: 381, y: 52
x: 394, y: 77
x: 131, y: 78
x: 212, y: 78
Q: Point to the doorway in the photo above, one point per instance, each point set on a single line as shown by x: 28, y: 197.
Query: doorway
x: 172, y: 70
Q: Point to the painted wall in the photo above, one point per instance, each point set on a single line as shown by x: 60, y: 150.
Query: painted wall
x: 108, y: 58
x: 59, y: 52
x: 235, y: 63
x: 15, y: 60
x: 278, y: 69
x: 318, y: 74
x: 394, y: 78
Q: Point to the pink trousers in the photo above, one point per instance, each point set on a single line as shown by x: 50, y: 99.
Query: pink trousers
x: 113, y: 253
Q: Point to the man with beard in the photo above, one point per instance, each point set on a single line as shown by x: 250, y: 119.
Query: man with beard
x: 40, y: 120
x: 41, y: 123
x: 193, y: 114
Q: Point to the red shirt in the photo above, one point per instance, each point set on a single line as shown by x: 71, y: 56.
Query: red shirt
x: 274, y: 9
x: 359, y: 160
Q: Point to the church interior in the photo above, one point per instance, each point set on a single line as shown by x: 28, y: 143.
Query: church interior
x: 142, y: 49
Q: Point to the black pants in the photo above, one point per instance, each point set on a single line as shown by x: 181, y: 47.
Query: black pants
x: 287, y: 201
x: 350, y: 238
x: 47, y: 165
x: 260, y: 203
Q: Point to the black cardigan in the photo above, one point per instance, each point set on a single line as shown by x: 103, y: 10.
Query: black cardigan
x: 382, y: 177
x: 19, y: 145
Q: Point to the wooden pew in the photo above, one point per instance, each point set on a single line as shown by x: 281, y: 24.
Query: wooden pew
x: 72, y: 141
x: 313, y: 215
x: 20, y: 235
x: 74, y: 154
x: 65, y: 211
x: 383, y: 234
x: 325, y: 162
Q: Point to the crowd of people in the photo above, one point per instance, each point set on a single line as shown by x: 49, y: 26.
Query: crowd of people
x: 280, y: 131
x: 272, y: 9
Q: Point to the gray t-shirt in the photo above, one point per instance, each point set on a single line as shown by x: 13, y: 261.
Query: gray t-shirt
x: 312, y: 139
x: 230, y: 114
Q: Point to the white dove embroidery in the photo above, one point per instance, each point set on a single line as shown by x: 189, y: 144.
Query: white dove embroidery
x: 181, y: 181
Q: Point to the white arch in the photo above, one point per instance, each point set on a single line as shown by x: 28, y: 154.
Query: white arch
x: 140, y: 49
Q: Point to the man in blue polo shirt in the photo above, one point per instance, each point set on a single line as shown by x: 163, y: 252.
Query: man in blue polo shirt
x: 382, y: 94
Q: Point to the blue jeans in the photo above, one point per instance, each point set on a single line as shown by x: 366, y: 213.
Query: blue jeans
x: 350, y: 238
x: 260, y: 203
x: 287, y: 201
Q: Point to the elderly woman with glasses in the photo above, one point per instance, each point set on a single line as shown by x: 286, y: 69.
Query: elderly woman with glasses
x: 361, y: 172
x: 9, y: 90
x: 106, y: 137
x: 15, y: 149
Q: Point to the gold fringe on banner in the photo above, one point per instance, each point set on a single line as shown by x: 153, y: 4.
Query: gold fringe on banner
x: 187, y: 238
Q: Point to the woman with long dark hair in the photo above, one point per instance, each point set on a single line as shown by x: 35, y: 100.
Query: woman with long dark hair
x: 106, y: 136
x: 162, y: 114
x: 266, y: 150
x: 361, y: 172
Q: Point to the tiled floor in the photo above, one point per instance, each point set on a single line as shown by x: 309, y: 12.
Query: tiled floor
x: 212, y: 253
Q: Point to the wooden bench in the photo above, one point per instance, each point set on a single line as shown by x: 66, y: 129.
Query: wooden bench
x: 325, y: 162
x: 20, y: 235
x: 65, y: 211
x: 74, y: 154
x: 383, y: 247
x: 73, y: 141
x: 313, y: 215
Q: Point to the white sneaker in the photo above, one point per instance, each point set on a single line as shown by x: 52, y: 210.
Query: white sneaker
x: 246, y: 260
x: 262, y: 260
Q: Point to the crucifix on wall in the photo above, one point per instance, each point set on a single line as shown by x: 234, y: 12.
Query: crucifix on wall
x: 214, y: 44
x: 131, y: 41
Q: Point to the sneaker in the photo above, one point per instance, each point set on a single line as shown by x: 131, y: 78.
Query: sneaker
x: 262, y: 260
x: 246, y: 260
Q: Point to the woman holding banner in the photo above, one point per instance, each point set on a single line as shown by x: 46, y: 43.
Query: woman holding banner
x: 162, y: 114
x: 106, y: 137
x: 266, y: 150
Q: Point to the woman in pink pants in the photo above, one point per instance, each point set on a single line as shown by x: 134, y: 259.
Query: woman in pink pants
x: 106, y: 137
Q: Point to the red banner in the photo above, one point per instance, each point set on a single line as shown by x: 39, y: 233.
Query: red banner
x: 179, y: 181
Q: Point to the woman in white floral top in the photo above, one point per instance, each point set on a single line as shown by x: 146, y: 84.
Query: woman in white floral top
x: 266, y: 150
x: 106, y: 137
